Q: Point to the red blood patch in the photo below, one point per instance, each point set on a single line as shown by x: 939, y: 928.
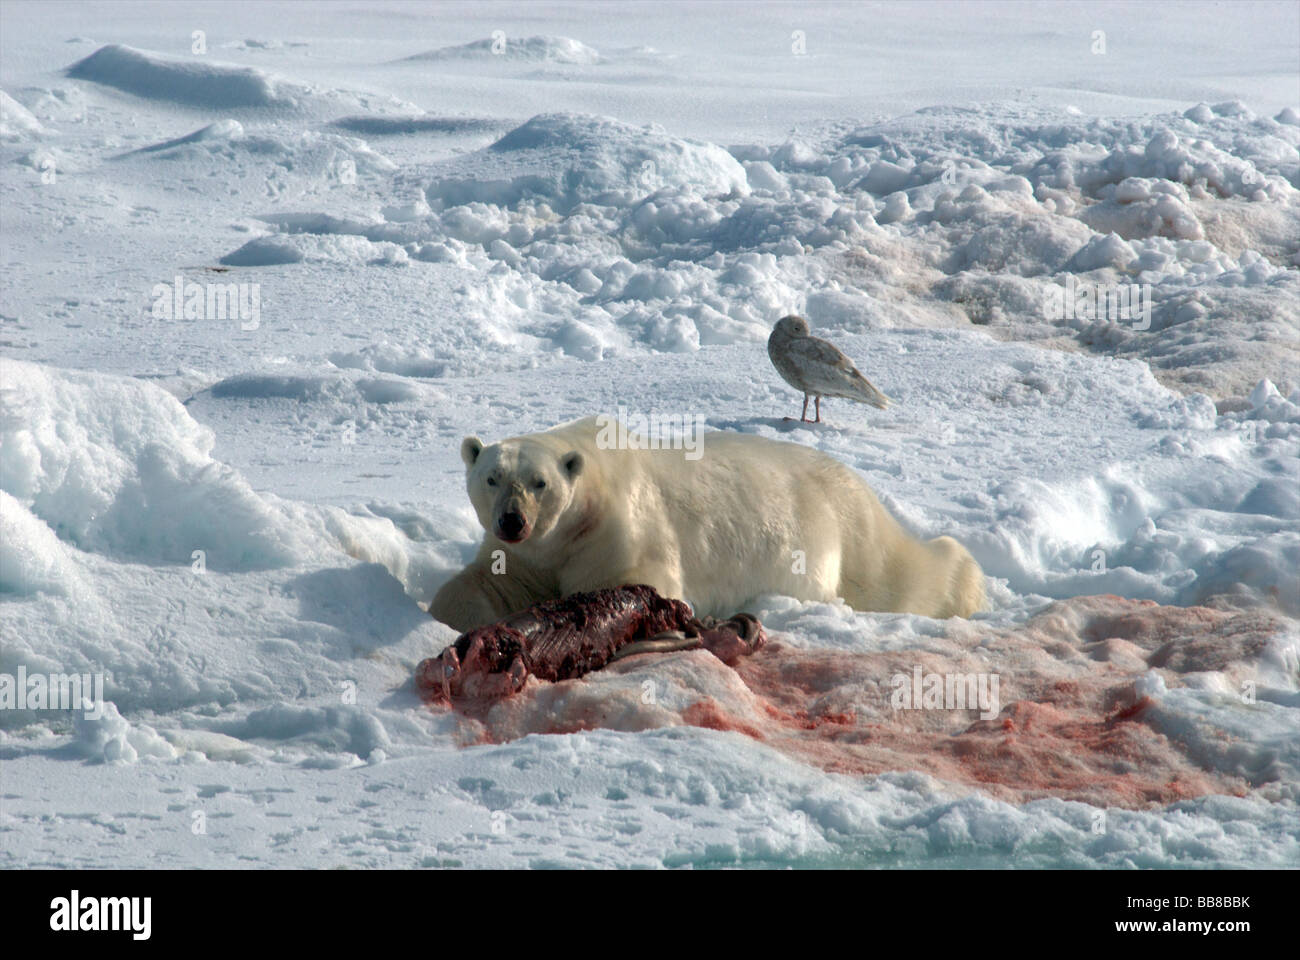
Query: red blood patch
x: 1069, y: 723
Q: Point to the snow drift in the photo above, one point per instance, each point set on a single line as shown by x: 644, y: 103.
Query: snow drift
x: 201, y: 84
x: 536, y: 49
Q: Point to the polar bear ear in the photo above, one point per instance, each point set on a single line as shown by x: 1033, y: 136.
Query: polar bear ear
x: 572, y: 463
x: 470, y: 448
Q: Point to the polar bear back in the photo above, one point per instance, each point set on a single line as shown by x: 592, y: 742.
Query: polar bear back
x: 749, y: 516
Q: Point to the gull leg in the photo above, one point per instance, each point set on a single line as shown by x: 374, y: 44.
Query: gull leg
x: 819, y: 409
x: 803, y: 417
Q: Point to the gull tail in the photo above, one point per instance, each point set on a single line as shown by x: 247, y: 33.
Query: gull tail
x: 867, y: 393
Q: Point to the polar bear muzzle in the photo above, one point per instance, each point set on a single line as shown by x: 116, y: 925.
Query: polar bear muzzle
x: 512, y: 525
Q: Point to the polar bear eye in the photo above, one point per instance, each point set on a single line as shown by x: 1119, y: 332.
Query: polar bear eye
x: 491, y: 482
x: 539, y: 484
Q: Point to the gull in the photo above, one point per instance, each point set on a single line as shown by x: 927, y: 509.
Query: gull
x: 817, y: 367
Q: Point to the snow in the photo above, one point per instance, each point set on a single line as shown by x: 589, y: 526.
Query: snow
x: 214, y: 86
x: 431, y: 231
x: 539, y: 48
x: 566, y: 160
x: 17, y: 122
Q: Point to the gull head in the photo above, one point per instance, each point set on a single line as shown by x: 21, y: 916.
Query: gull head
x: 791, y: 326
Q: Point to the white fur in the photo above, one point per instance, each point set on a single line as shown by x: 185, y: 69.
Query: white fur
x: 716, y: 531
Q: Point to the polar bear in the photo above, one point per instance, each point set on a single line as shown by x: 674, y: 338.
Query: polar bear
x: 565, y: 510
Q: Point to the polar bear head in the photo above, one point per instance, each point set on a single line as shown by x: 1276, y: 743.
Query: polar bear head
x: 521, y: 488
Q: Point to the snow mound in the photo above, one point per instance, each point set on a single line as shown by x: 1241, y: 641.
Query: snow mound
x: 32, y: 558
x: 536, y: 49
x: 17, y: 123
x: 117, y: 466
x: 212, y: 85
x: 282, y: 163
x: 309, y: 153
x: 112, y: 510
x: 567, y: 159
x: 599, y: 236
x: 402, y: 359
x: 111, y: 738
x: 1192, y: 160
x: 66, y: 103
x: 200, y: 84
x: 312, y: 248
x: 252, y: 386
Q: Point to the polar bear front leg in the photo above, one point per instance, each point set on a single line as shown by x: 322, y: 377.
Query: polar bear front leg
x: 476, y: 596
x: 463, y: 604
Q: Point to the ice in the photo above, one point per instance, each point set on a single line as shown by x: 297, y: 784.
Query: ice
x: 32, y: 557
x: 701, y: 244
x: 112, y: 739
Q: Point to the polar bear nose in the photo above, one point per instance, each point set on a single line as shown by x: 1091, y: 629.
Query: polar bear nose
x: 512, y: 525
